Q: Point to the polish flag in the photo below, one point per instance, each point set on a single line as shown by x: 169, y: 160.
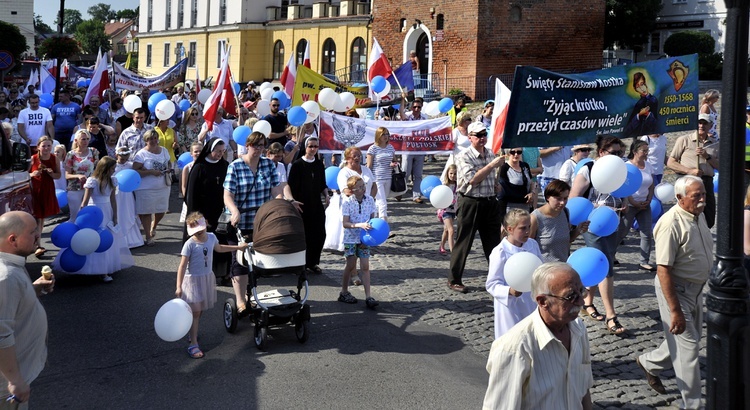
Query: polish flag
x: 289, y: 76
x: 378, y: 65
x: 499, y: 115
x: 306, y: 59
x: 197, y: 81
x: 65, y: 67
x: 100, y: 79
x: 223, y: 94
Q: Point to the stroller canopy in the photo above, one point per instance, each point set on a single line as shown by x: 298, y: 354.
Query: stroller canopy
x: 278, y: 228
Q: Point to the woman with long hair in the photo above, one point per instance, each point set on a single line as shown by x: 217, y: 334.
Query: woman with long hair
x: 710, y: 98
x: 639, y: 204
x: 189, y: 129
x: 44, y: 170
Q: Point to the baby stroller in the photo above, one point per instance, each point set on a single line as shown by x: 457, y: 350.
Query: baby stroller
x: 278, y: 246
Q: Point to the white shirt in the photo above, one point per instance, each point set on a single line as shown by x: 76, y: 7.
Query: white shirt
x: 552, y: 162
x: 531, y: 369
x: 221, y: 130
x: 657, y: 151
x: 35, y: 123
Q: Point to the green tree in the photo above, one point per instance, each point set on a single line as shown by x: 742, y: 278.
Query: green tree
x: 71, y: 20
x: 90, y: 34
x: 41, y: 26
x: 13, y: 41
x: 101, y: 12
x: 710, y: 63
x: 629, y: 23
x: 127, y: 14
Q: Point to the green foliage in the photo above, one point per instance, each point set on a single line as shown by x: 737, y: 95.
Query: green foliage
x: 455, y: 91
x: 13, y: 41
x: 101, y: 12
x: 71, y: 20
x: 711, y: 66
x: 41, y: 26
x: 58, y: 47
x: 90, y: 34
x: 127, y: 14
x: 689, y: 42
x: 628, y: 23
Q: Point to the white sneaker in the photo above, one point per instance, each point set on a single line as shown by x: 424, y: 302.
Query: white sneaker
x: 106, y: 279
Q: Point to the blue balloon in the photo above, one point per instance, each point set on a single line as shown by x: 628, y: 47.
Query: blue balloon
x: 236, y: 87
x: 445, y: 105
x: 89, y: 217
x: 184, y: 159
x: 716, y: 182
x: 128, y: 180
x: 579, y: 209
x: 632, y: 182
x: 81, y: 82
x: 106, y: 239
x: 378, y: 83
x: 603, y: 221
x: 62, y: 234
x: 155, y: 99
x: 62, y: 198
x: 46, y: 100
x: 377, y: 235
x: 580, y: 165
x: 428, y: 183
x: 656, y: 210
x: 184, y: 105
x: 241, y: 133
x: 296, y: 116
x: 591, y: 264
x: 283, y: 99
x: 88, y: 82
x: 70, y: 262
x: 332, y: 173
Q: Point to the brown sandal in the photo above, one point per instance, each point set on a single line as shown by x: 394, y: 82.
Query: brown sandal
x: 615, y: 329
x: 594, y: 315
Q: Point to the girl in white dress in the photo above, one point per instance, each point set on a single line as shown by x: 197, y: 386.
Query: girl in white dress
x: 130, y: 224
x: 511, y: 306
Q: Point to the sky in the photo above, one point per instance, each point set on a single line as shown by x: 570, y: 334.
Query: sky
x: 48, y: 8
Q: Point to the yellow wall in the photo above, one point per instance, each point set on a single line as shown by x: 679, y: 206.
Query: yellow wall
x: 342, y: 36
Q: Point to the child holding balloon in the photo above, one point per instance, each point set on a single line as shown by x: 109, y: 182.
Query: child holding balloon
x: 357, y: 210
x: 511, y: 304
x: 129, y: 223
x: 447, y: 215
x: 196, y: 283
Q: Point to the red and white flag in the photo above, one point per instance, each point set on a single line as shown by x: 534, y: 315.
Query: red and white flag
x: 306, y: 59
x: 197, y: 81
x: 100, y: 79
x: 223, y: 94
x: 65, y: 67
x: 377, y: 65
x: 289, y: 76
x: 499, y: 115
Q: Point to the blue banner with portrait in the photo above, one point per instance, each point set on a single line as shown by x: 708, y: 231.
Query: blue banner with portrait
x: 551, y: 109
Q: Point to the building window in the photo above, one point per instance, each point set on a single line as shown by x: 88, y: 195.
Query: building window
x: 284, y: 10
x: 148, y: 55
x: 358, y: 62
x: 440, y: 22
x: 222, y: 11
x: 150, y: 18
x: 679, y: 1
x: 194, y: 14
x: 329, y: 57
x: 654, y: 43
x: 181, y: 13
x: 401, y: 25
x: 221, y: 45
x: 166, y: 54
x: 300, y: 53
x: 515, y: 14
x: 191, y: 53
x: 278, y: 59
x: 121, y: 49
x: 179, y: 52
x: 168, y: 23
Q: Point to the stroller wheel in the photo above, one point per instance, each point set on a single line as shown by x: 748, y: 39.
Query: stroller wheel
x: 230, y: 315
x: 302, y: 330
x: 261, y: 337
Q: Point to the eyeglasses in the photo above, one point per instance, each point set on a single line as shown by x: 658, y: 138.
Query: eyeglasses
x: 480, y: 135
x: 573, y: 298
x: 416, y: 107
x: 195, y: 113
x: 515, y: 152
x: 584, y: 149
x: 618, y: 153
x: 274, y: 105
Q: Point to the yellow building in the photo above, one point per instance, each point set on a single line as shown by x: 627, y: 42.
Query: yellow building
x: 261, y: 34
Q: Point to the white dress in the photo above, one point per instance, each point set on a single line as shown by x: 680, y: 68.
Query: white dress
x: 509, y: 310
x: 118, y: 256
x: 334, y: 218
x: 127, y: 219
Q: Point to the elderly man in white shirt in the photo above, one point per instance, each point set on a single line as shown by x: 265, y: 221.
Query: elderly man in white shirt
x: 544, y: 361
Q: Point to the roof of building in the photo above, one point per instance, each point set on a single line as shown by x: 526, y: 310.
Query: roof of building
x: 115, y: 28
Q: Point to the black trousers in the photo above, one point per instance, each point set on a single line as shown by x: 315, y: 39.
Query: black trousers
x: 474, y: 214
x: 710, y: 210
x: 314, y: 220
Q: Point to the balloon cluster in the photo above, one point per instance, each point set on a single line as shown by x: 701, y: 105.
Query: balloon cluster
x: 337, y: 102
x: 78, y: 240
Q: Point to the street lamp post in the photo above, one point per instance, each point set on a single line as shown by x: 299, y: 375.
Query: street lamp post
x: 727, y: 302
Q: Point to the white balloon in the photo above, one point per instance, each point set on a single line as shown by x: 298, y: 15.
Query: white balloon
x: 203, y: 95
x: 264, y: 86
x: 339, y: 106
x: 267, y: 94
x: 518, y: 270
x: 348, y: 99
x: 173, y: 320
x: 608, y: 173
x: 664, y: 192
x: 328, y: 98
x: 313, y: 110
x: 85, y: 241
x: 132, y: 102
x: 432, y: 108
x: 385, y: 91
x: 441, y: 196
x: 263, y: 127
x: 164, y: 109
x: 263, y: 108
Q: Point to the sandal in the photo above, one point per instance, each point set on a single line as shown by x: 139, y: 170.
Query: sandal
x: 647, y: 267
x: 594, y: 315
x: 195, y: 352
x: 615, y: 329
x: 347, y: 297
x: 39, y: 252
x: 371, y: 302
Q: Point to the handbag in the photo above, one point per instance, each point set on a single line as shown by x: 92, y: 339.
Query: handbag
x: 398, y: 180
x: 168, y: 178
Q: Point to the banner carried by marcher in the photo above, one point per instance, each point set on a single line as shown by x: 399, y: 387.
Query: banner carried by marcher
x: 128, y: 80
x: 551, y: 109
x: 337, y: 132
x: 308, y: 84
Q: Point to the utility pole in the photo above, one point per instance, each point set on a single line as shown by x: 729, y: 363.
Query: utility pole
x: 60, y: 24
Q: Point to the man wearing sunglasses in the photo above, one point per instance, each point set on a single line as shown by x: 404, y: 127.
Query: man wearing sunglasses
x: 478, y: 208
x: 413, y: 164
x: 544, y: 361
x: 279, y: 124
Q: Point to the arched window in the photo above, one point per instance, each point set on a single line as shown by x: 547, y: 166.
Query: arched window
x: 440, y: 22
x: 358, y: 60
x: 328, y: 64
x: 278, y: 59
x: 515, y: 14
x: 401, y: 25
x: 300, y: 53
